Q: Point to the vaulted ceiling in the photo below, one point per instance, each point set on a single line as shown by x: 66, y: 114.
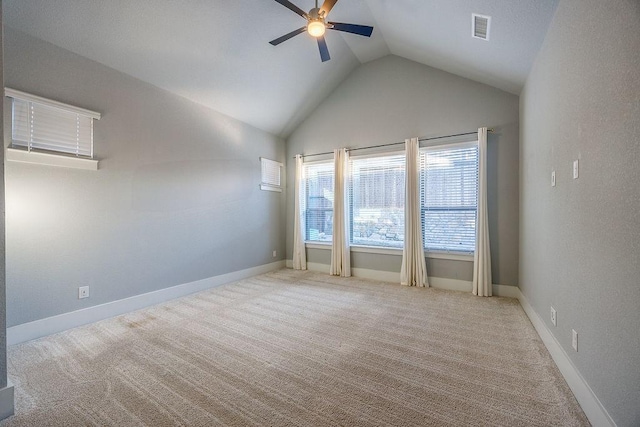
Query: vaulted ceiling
x: 216, y: 52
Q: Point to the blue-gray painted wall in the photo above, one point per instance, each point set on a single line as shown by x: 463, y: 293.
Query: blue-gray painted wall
x: 176, y: 198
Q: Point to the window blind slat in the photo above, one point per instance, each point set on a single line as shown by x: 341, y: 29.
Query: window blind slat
x: 42, y: 127
x: 270, y: 172
x: 318, y: 179
x: 449, y: 188
x: 376, y: 199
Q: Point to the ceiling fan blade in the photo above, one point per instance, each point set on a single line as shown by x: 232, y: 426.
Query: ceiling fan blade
x: 327, y: 6
x: 361, y: 30
x: 286, y: 37
x: 324, y: 50
x: 293, y: 8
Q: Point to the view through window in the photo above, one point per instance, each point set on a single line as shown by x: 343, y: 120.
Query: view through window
x: 377, y: 200
x: 319, y: 201
x: 448, y: 193
x: 376, y: 190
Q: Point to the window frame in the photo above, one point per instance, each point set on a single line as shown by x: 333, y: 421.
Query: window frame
x: 385, y: 250
x: 268, y: 166
x: 307, y: 241
x: 24, y: 152
x: 362, y: 247
x: 462, y: 255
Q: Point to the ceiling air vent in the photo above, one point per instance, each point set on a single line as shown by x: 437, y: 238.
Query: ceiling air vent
x: 480, y: 26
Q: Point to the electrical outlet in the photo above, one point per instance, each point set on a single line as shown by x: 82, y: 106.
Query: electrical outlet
x: 574, y: 339
x: 554, y: 316
x: 274, y: 253
x: 83, y: 292
x: 553, y: 178
x: 576, y: 171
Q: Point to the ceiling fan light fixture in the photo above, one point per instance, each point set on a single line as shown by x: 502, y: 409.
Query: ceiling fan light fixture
x: 317, y: 25
x: 316, y: 28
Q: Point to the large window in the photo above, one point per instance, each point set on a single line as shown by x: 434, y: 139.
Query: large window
x: 40, y: 124
x: 376, y: 193
x: 448, y: 189
x: 318, y: 201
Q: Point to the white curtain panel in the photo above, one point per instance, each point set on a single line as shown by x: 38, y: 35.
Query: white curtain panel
x: 414, y: 268
x: 340, y: 251
x: 299, y: 254
x: 482, y: 285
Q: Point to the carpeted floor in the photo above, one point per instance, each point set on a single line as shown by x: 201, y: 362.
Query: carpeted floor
x: 298, y: 348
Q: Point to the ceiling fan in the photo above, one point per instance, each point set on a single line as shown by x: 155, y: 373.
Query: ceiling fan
x: 317, y: 25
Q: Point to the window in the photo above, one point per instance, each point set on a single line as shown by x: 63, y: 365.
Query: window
x: 448, y: 193
x: 40, y: 124
x: 319, y: 201
x: 376, y: 193
x: 270, y: 175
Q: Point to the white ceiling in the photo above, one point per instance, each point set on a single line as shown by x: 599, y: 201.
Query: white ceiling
x: 216, y: 52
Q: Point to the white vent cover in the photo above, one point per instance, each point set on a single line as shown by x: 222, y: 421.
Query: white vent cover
x: 480, y: 26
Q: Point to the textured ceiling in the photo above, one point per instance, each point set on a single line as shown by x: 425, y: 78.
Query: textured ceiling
x: 216, y: 52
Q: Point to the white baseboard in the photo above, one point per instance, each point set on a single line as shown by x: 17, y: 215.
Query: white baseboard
x: 434, y: 282
x: 591, y: 405
x: 6, y: 401
x: 51, y: 325
x: 508, y: 291
x: 450, y: 284
x: 383, y: 276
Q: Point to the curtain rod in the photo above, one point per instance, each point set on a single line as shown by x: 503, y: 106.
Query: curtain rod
x: 396, y: 143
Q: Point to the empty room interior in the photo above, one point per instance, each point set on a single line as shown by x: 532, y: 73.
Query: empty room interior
x: 320, y: 213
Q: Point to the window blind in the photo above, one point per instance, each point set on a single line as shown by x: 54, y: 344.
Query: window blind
x: 376, y: 198
x: 318, y: 179
x: 270, y: 175
x: 45, y: 125
x: 449, y: 188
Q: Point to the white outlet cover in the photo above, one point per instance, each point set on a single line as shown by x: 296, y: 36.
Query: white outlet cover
x: 553, y: 178
x: 554, y: 316
x: 83, y: 292
x: 576, y: 169
x: 574, y: 339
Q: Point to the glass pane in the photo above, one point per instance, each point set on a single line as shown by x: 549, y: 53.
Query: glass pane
x: 450, y: 230
x: 449, y: 187
x: 377, y: 201
x: 319, y: 201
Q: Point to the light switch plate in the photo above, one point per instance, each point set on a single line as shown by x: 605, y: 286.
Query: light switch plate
x: 576, y: 171
x: 553, y: 178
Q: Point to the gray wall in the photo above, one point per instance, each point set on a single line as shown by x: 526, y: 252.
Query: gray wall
x: 3, y: 294
x: 176, y: 198
x: 579, y: 241
x: 391, y: 99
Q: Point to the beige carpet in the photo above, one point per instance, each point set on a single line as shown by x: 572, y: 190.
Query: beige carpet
x: 298, y: 348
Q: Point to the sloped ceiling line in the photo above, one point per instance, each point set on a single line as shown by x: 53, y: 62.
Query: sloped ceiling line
x: 216, y: 53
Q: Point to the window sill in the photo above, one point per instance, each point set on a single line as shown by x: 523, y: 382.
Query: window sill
x: 266, y: 187
x: 22, y: 156
x: 376, y: 250
x: 392, y: 251
x: 449, y: 255
x: 318, y: 245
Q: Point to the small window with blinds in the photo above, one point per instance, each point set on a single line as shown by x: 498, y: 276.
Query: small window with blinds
x: 270, y: 175
x: 448, y: 193
x: 376, y: 198
x: 318, y: 187
x: 43, y: 125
